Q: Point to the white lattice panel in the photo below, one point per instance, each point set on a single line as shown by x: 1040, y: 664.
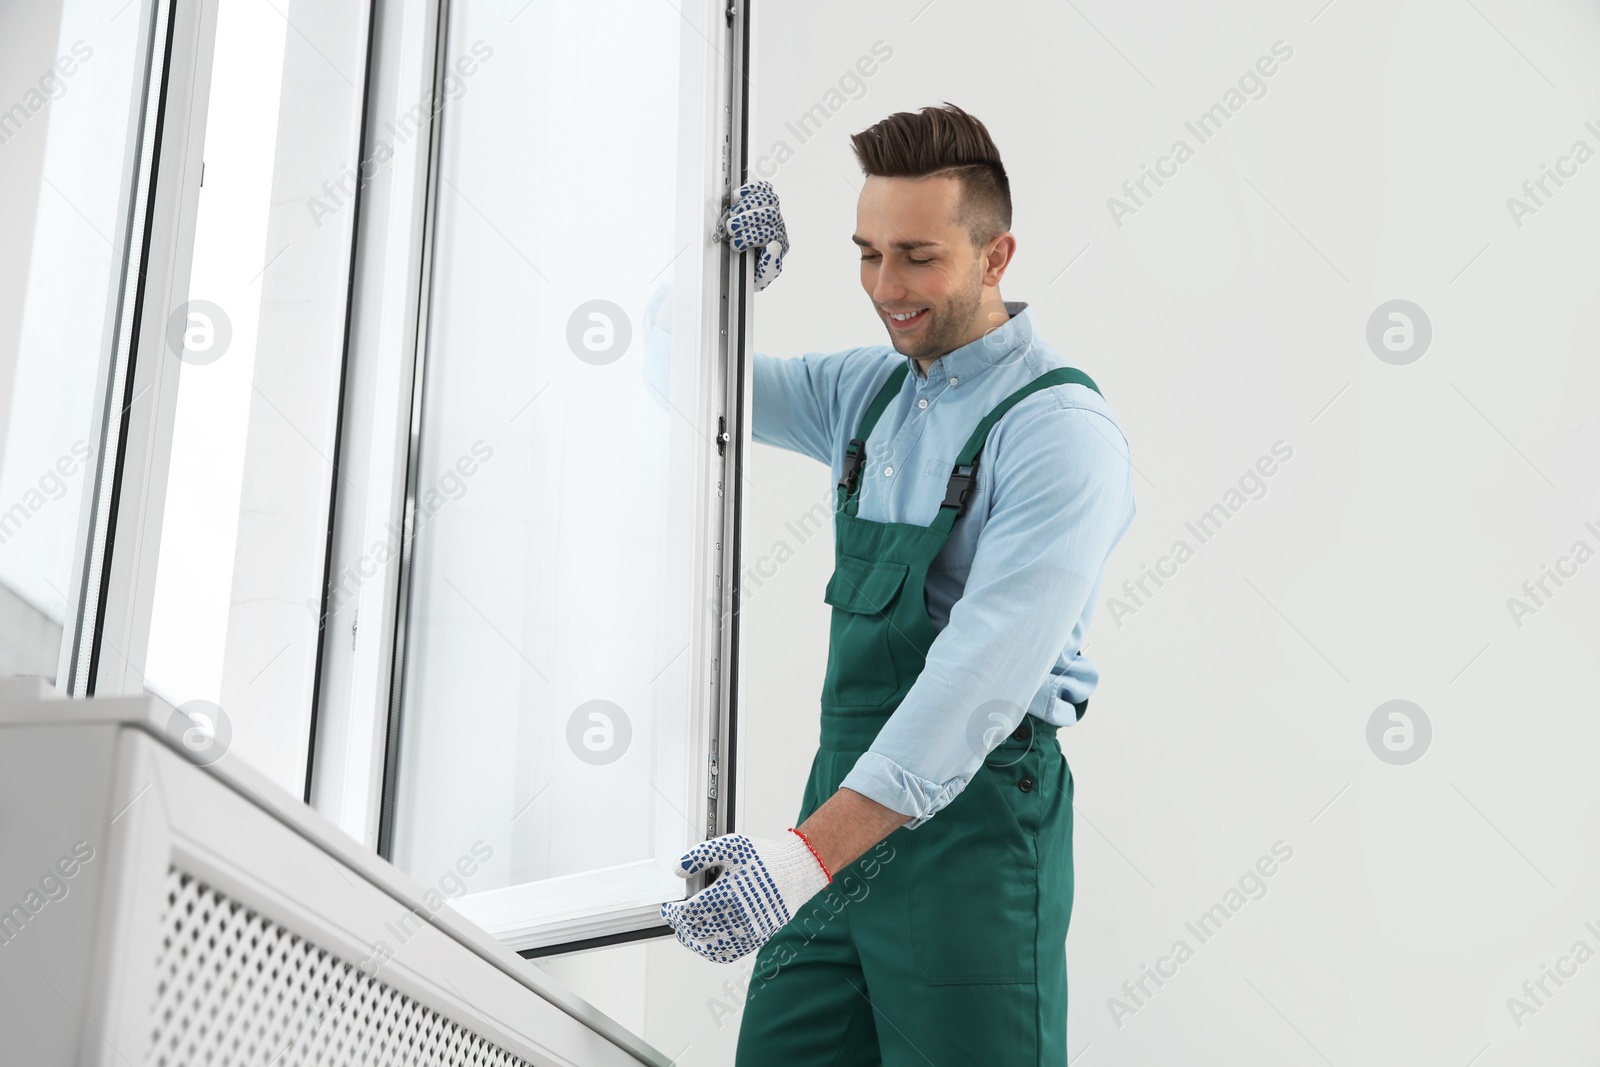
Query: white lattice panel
x: 234, y: 989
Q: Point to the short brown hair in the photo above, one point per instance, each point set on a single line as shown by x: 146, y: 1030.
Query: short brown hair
x: 916, y: 144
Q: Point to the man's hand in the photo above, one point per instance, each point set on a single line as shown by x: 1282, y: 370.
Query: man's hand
x: 763, y: 882
x: 752, y: 221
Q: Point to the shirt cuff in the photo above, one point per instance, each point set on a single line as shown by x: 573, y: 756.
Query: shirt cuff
x: 885, y: 781
x: 1051, y: 702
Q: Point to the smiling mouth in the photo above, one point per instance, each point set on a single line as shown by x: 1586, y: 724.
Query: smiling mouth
x: 904, y: 320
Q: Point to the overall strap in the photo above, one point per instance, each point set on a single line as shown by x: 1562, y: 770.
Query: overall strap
x: 965, y: 474
x: 854, y: 453
x: 1059, y: 376
x: 891, y: 386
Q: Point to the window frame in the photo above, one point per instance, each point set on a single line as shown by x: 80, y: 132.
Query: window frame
x: 355, y: 748
x: 141, y: 394
x: 123, y: 551
x: 357, y: 693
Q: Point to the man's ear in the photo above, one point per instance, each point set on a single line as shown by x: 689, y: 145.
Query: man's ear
x: 997, y: 256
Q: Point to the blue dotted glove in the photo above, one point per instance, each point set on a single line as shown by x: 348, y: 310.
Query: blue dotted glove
x: 763, y: 882
x: 751, y: 221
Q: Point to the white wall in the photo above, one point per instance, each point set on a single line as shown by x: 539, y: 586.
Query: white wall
x: 1229, y: 312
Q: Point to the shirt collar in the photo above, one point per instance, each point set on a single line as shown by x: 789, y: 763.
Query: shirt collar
x: 999, y: 345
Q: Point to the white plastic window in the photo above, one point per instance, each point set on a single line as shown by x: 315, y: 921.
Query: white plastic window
x: 260, y: 341
x: 555, y: 644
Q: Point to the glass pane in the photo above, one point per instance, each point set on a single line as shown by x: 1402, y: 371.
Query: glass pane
x: 549, y: 676
x: 72, y: 80
x: 261, y: 342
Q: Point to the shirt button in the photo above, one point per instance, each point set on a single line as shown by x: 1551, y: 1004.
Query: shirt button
x: 953, y: 380
x: 887, y: 471
x: 1026, y: 785
x: 922, y: 403
x: 1020, y: 733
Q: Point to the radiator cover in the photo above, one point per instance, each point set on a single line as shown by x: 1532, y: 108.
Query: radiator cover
x: 211, y: 918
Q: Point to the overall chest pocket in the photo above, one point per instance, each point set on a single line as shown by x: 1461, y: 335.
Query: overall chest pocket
x: 861, y: 670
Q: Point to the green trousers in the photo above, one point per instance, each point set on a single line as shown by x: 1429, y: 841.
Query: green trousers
x: 944, y: 945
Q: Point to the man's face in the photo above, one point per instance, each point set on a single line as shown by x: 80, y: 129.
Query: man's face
x: 915, y: 258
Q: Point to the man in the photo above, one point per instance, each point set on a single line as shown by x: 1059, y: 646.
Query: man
x: 981, y: 485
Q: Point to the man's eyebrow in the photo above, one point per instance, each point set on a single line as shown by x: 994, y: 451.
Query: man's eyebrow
x: 904, y: 246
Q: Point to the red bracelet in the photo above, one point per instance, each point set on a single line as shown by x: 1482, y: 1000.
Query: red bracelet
x: 814, y: 852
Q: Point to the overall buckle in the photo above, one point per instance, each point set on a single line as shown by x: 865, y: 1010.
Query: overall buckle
x: 959, y: 488
x: 853, y: 459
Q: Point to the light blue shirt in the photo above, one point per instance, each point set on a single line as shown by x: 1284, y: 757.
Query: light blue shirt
x: 1012, y: 592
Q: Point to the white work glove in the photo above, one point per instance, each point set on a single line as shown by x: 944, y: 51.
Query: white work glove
x: 763, y: 882
x: 752, y: 221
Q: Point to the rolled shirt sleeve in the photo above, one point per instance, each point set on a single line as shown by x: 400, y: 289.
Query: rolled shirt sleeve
x: 1059, y: 497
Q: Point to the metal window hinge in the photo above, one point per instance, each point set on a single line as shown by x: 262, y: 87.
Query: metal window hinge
x: 711, y: 795
x: 354, y: 621
x: 722, y: 435
x: 730, y: 12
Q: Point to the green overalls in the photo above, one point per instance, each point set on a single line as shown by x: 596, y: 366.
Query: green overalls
x: 946, y: 944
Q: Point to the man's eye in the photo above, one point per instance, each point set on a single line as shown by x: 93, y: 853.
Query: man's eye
x: 910, y: 259
x: 868, y: 259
